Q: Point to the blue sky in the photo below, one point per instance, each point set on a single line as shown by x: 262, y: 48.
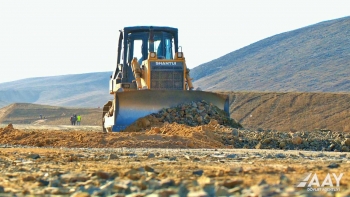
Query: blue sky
x: 58, y: 37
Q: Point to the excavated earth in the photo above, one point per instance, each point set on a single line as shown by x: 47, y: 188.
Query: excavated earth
x: 176, y: 152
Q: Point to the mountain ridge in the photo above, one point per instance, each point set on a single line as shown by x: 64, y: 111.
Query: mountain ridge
x: 83, y: 90
x: 300, y: 60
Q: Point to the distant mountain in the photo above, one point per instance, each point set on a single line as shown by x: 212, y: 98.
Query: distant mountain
x: 78, y: 90
x: 315, y: 58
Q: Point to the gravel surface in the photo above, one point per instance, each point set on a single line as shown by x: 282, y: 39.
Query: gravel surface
x: 165, y: 172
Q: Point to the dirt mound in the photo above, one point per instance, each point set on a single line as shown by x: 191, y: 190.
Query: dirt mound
x: 167, y: 136
x: 173, y: 135
x: 191, y: 114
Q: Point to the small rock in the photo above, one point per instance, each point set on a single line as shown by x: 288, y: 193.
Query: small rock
x: 149, y: 169
x: 172, y: 158
x: 81, y: 194
x: 258, y: 146
x: 282, y: 145
x: 344, y: 149
x: 132, y: 155
x: 33, y: 156
x: 213, y: 122
x: 280, y: 155
x: 297, y: 140
x: 342, y: 156
x: 232, y: 183
x: 167, y: 183
x: 235, y: 170
x: 262, y: 182
x: 266, y: 141
x: 156, y: 129
x: 141, y: 169
x: 320, y: 155
x: 209, y: 189
x: 333, y: 165
x: 346, y: 142
x: 231, y: 156
x: 198, y: 172
x: 72, y: 178
x: 200, y: 119
x: 197, y: 194
x: 268, y: 156
x: 151, y: 155
x: 55, y: 183
x: 28, y: 178
x: 145, y: 123
x: 284, y: 180
x: 301, y: 154
x: 221, y: 191
x: 112, y: 156
x: 196, y: 159
x: 331, y: 147
x: 42, y: 182
x: 235, y: 132
x: 102, y: 175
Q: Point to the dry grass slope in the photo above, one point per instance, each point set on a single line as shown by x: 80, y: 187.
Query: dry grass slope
x: 291, y: 111
x: 310, y: 59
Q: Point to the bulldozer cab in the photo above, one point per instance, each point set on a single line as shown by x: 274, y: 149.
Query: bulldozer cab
x: 139, y: 41
x: 139, y: 46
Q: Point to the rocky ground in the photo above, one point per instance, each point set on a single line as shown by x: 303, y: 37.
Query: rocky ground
x: 191, y: 150
x: 207, y: 160
x: 166, y: 172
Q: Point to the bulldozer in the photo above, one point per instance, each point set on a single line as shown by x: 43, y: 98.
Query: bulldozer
x: 150, y: 75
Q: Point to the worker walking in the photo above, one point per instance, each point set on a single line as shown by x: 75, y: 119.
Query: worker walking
x: 78, y: 119
x: 72, y: 119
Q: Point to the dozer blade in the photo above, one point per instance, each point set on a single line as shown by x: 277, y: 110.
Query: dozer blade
x: 133, y: 105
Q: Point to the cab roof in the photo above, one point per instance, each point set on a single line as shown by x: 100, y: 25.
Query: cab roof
x: 147, y: 28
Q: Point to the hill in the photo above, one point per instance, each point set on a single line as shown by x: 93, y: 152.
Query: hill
x: 310, y: 59
x: 285, y: 111
x: 26, y: 113
x: 77, y: 90
x: 280, y: 111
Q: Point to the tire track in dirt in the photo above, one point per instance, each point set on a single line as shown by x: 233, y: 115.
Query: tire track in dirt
x: 253, y: 109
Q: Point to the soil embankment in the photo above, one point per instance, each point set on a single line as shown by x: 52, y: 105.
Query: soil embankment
x: 266, y: 110
x: 291, y: 111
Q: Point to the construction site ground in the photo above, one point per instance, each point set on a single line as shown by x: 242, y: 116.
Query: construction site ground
x: 169, y: 160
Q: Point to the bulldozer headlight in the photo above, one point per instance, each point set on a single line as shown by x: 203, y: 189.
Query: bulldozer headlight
x: 153, y: 55
x: 179, y: 55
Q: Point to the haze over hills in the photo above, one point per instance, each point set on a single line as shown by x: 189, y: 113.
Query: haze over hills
x: 310, y: 59
x: 315, y: 58
x: 80, y: 90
